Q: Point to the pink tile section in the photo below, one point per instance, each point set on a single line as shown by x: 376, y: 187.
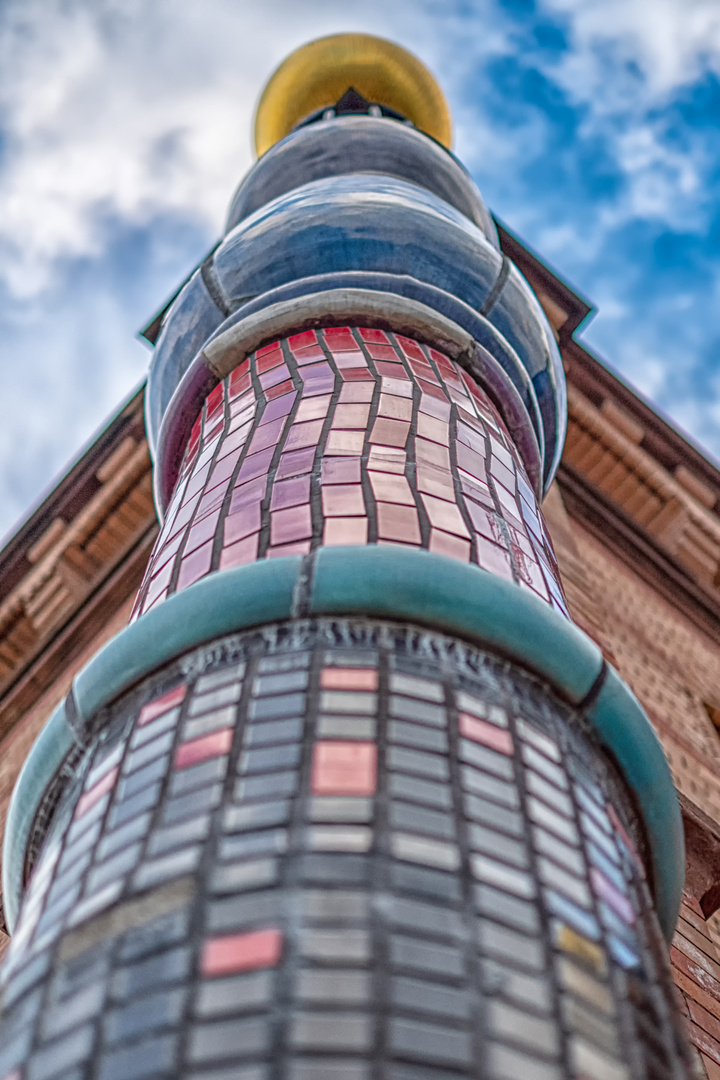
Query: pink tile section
x: 241, y: 952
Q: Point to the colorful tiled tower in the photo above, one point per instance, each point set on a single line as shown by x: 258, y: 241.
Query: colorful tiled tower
x: 351, y: 798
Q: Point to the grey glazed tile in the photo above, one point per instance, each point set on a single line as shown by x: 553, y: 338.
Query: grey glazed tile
x: 420, y: 819
x: 155, y: 871
x: 346, y: 727
x: 271, y: 708
x: 585, y: 986
x: 273, y: 731
x: 334, y: 905
x: 143, y: 735
x: 244, y: 875
x: 598, y: 837
x: 547, y: 769
x: 283, y: 662
x: 422, y: 791
x: 561, y: 826
x: 149, y: 752
x: 348, y: 701
x: 340, y: 809
x: 532, y: 991
x: 417, y: 735
x: 344, y: 946
x: 269, y: 842
x: 244, y: 911
x: 506, y: 1063
x: 146, y: 1058
x: 273, y: 785
x: 413, y: 686
x: 337, y: 868
x: 611, y: 871
x: 418, y: 763
x: 198, y: 776
x: 130, y: 785
x: 148, y: 1014
x: 563, y: 854
x: 493, y: 843
x: 15, y: 1051
x: 87, y: 820
x: 500, y: 943
x: 510, y: 1024
x: 564, y: 909
x: 186, y: 832
x: 422, y: 711
x: 436, y: 921
x: 573, y: 887
x: 130, y: 808
x: 76, y: 850
x: 425, y: 882
x: 625, y: 956
x: 256, y: 816
x: 489, y: 813
x: 246, y: 993
x: 104, y: 764
x: 69, y: 878
x: 159, y: 933
x: 422, y: 1041
x: 344, y: 987
x: 548, y: 793
x: 339, y: 838
x: 489, y: 786
x: 345, y: 1031
x: 54, y: 913
x: 422, y: 996
x: 329, y: 1068
x: 587, y: 1059
x: 229, y: 1038
x: 116, y: 867
x: 119, y: 838
x: 255, y: 1071
x: 167, y: 968
x: 213, y: 679
x: 587, y: 1023
x: 215, y: 699
x: 271, y: 759
x: 420, y: 849
x: 61, y: 1055
x: 212, y: 721
x: 511, y: 910
x: 590, y: 806
x: 266, y: 685
x: 503, y: 877
x: 538, y: 739
x: 25, y: 978
x: 419, y: 955
x: 195, y: 802
x: 485, y: 759
x: 26, y: 1011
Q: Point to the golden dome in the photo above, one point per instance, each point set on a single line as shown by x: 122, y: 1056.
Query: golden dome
x: 318, y: 74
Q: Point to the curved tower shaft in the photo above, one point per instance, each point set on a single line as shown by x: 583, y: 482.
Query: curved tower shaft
x: 351, y: 797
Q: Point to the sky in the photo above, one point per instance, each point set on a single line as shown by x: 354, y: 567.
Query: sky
x: 591, y: 127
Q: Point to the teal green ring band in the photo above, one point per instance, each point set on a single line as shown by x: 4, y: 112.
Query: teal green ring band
x: 385, y: 582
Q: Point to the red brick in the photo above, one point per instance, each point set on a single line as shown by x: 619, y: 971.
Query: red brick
x: 487, y: 734
x: 344, y: 768
x: 95, y: 794
x: 241, y: 952
x: 697, y: 937
x: 690, y: 989
x: 208, y: 746
x: 693, y: 904
x: 161, y: 705
x: 698, y: 921
x: 711, y: 1068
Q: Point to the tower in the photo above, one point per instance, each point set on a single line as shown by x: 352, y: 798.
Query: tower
x: 351, y: 796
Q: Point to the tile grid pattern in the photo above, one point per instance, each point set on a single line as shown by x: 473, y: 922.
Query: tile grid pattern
x: 322, y: 861
x: 350, y: 436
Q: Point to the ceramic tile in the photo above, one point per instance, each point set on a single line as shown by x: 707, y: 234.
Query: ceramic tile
x: 208, y: 746
x: 413, y: 686
x: 290, y: 525
x: 428, y: 1042
x: 345, y: 442
x: 575, y: 916
x: 418, y: 736
x: 387, y: 459
x: 428, y: 852
x: 292, y: 492
x: 346, y: 727
x: 344, y: 987
x: 503, y: 877
x: 423, y: 791
x: 343, y: 500
x: 344, y: 768
x: 534, y: 1033
x: 391, y: 488
x: 340, y: 809
x: 344, y: 470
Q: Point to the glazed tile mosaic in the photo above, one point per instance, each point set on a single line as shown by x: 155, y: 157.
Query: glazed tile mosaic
x: 339, y: 849
x: 350, y: 436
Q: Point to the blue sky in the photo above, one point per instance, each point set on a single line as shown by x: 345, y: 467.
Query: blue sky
x: 591, y: 127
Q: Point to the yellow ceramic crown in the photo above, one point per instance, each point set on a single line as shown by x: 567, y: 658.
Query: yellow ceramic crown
x: 318, y: 74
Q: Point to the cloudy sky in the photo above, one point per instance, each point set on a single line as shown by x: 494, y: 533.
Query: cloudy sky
x: 590, y: 126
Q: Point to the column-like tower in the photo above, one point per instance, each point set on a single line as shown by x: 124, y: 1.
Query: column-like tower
x: 351, y: 798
